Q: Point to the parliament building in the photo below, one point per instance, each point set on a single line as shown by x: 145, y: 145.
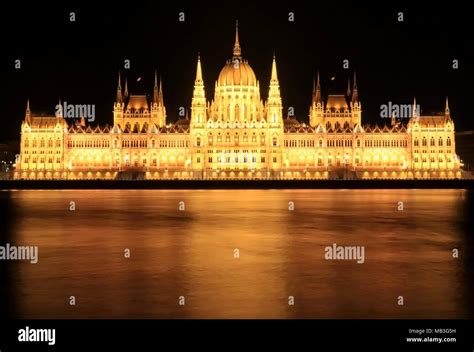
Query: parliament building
x: 237, y: 135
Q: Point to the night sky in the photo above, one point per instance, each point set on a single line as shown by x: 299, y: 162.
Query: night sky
x: 78, y: 62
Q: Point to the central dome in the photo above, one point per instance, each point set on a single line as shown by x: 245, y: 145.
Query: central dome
x: 236, y: 73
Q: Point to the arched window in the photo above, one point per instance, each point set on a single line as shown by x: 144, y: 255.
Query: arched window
x: 320, y: 143
x: 440, y: 141
x: 27, y: 143
x: 42, y: 143
x: 198, y: 141
x: 448, y: 142
x: 416, y: 143
x: 432, y: 142
x: 328, y: 125
x: 275, y: 141
x: 423, y: 142
x: 58, y: 142
x: 358, y: 143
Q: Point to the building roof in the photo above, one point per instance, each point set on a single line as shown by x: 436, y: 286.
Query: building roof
x: 337, y: 102
x: 291, y: 122
x: 432, y: 121
x: 137, y: 102
x: 46, y: 122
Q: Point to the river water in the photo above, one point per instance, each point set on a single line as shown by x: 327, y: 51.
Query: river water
x: 238, y: 254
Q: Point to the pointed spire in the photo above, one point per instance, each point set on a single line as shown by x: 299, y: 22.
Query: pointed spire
x: 160, y: 94
x: 348, y: 93
x: 317, y: 91
x: 355, y: 93
x: 446, y: 109
x: 394, y: 119
x: 60, y: 112
x: 274, y: 78
x: 415, y: 108
x: 198, y: 71
x: 155, y: 90
x: 237, y: 50
x: 27, y: 113
x: 119, y: 90
x: 126, y: 87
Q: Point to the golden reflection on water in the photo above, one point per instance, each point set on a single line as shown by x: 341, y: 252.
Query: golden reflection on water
x: 190, y: 253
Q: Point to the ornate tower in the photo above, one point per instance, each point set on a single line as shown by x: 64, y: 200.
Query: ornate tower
x: 274, y: 105
x: 316, y: 111
x: 356, y: 107
x: 158, y: 110
x: 198, y: 123
x: 198, y: 104
x: 119, y: 105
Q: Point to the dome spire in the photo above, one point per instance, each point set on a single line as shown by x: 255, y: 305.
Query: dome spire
x: 446, y: 109
x: 237, y: 50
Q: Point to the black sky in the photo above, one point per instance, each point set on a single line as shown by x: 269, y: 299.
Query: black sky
x: 78, y: 61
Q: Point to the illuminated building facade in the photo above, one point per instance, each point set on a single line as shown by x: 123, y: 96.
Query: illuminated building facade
x: 237, y: 135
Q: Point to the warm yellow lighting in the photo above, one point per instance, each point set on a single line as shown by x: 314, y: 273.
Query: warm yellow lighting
x: 237, y: 134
